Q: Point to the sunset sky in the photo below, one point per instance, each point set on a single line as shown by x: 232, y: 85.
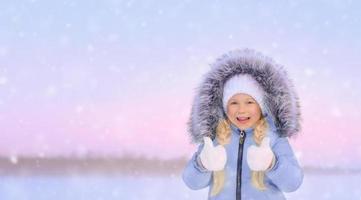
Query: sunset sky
x: 118, y: 77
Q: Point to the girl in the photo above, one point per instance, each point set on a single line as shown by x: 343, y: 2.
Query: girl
x: 243, y: 113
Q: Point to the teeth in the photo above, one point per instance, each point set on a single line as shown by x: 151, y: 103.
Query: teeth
x: 242, y: 118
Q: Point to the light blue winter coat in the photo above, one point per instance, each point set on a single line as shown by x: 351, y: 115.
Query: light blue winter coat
x: 285, y: 176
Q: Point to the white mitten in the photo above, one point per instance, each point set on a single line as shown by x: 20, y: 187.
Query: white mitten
x: 259, y: 158
x: 213, y: 158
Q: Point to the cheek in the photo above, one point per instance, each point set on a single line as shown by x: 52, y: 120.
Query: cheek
x: 256, y: 110
x: 231, y: 111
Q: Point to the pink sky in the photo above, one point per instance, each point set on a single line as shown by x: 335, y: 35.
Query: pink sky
x: 157, y: 128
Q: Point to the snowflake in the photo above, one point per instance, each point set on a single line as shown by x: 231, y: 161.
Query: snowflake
x: 3, y: 80
x: 14, y: 159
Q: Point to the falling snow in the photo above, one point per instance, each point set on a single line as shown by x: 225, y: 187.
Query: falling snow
x: 112, y: 78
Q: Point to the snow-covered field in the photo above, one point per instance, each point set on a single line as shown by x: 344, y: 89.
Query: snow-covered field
x: 92, y: 187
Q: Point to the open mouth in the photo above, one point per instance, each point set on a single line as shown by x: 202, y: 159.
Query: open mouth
x: 243, y: 119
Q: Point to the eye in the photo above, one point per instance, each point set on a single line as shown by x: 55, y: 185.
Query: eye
x: 250, y: 102
x: 233, y: 103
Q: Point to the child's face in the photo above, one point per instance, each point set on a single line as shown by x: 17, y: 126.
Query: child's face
x: 243, y: 111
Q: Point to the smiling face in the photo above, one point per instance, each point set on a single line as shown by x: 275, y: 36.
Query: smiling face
x: 243, y: 111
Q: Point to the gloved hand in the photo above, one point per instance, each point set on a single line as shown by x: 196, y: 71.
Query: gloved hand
x: 259, y: 158
x: 213, y: 158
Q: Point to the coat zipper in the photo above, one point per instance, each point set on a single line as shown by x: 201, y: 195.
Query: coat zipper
x: 239, y: 164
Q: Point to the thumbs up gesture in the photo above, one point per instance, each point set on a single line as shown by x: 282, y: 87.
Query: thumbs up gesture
x: 213, y: 158
x: 259, y: 158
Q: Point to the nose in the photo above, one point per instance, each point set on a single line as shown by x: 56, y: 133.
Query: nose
x: 241, y: 108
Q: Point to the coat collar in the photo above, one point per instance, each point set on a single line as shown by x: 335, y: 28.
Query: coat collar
x: 238, y: 131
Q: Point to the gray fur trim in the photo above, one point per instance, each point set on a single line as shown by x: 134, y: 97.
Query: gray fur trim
x: 280, y: 98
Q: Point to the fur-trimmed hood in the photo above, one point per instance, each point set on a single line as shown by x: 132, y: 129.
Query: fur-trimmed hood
x: 280, y: 99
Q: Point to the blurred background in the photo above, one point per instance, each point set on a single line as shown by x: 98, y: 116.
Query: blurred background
x: 95, y: 95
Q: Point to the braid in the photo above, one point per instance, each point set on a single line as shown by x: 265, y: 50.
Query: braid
x: 223, y: 135
x: 257, y: 177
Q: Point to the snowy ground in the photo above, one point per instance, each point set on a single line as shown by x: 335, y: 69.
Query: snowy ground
x: 156, y: 187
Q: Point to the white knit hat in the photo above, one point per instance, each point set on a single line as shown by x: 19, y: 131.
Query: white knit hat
x: 242, y: 83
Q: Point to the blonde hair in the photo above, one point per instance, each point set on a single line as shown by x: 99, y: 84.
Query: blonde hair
x: 223, y: 136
